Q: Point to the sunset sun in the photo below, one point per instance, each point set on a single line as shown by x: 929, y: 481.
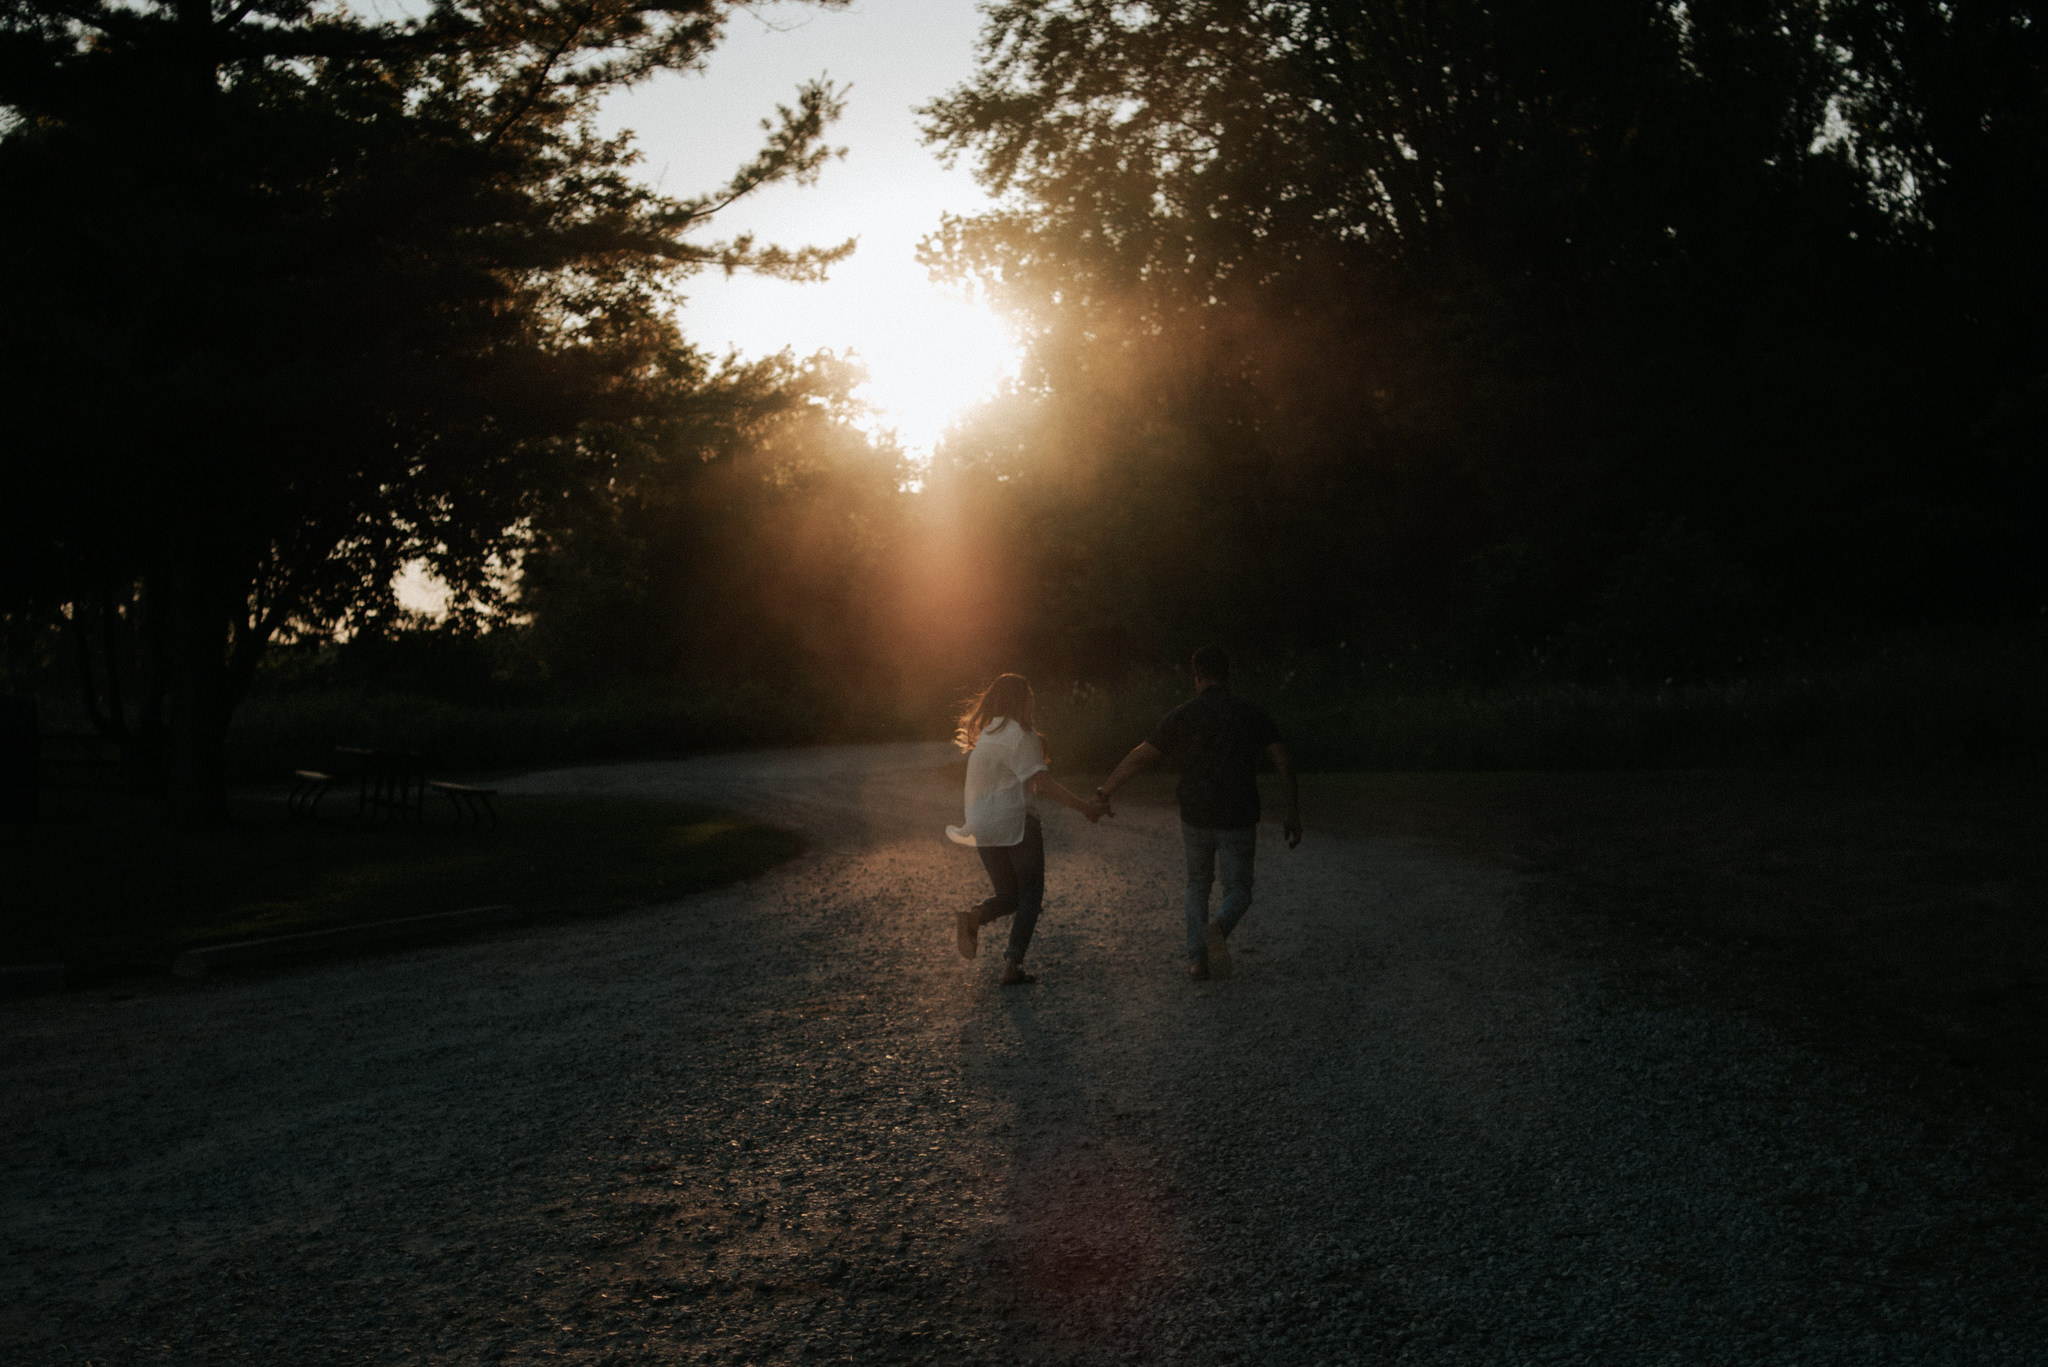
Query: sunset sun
x: 929, y: 360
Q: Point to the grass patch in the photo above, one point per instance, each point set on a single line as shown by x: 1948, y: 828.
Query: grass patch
x: 103, y: 884
x: 1886, y: 907
x: 1876, y: 909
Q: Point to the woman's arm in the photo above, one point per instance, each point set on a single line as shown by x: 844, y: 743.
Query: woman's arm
x: 1043, y: 782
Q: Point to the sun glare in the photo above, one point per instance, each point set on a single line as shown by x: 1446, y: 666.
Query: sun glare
x: 929, y: 358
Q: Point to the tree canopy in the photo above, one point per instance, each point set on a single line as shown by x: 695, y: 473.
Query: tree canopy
x: 1612, y: 332
x: 1601, y: 338
x: 297, y: 296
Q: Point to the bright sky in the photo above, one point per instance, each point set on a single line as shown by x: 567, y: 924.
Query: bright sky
x: 928, y: 353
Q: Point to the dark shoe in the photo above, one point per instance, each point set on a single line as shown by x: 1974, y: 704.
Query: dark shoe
x: 967, y: 930
x: 1198, y: 972
x: 1014, y: 976
x: 1219, y: 951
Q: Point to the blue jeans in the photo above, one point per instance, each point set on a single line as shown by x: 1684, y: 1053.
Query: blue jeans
x: 1206, y: 849
x: 1018, y: 873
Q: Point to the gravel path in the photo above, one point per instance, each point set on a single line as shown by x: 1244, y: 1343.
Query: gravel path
x: 783, y: 1122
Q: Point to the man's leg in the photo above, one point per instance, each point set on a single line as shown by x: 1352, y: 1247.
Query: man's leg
x: 1199, y: 846
x: 1234, y: 852
x: 1028, y: 860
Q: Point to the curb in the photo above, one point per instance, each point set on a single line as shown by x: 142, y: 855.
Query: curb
x: 194, y: 963
x: 25, y: 980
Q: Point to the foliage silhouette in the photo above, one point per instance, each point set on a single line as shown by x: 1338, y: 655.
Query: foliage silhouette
x: 1430, y: 322
x: 758, y: 554
x: 305, y: 295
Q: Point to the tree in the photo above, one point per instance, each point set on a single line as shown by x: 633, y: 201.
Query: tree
x: 748, y: 560
x: 1434, y: 314
x: 298, y: 296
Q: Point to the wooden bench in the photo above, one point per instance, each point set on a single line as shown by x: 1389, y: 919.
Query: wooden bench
x: 389, y: 783
x: 471, y: 804
x: 308, y: 787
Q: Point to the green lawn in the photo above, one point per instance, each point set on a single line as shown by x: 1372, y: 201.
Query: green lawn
x: 1876, y: 909
x: 1886, y: 909
x: 1923, y: 887
x: 103, y: 882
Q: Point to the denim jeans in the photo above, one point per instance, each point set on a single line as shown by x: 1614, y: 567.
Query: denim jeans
x: 1207, y: 849
x: 1018, y: 873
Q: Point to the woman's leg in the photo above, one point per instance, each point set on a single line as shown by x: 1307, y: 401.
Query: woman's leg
x: 1028, y: 865
x: 968, y: 921
x: 1002, y: 875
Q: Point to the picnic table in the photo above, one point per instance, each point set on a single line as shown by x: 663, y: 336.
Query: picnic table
x: 390, y: 785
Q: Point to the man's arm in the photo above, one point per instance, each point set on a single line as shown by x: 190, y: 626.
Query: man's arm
x: 1141, y: 755
x: 1291, y: 825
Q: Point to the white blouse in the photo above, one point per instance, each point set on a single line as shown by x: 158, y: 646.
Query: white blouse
x: 1004, y: 759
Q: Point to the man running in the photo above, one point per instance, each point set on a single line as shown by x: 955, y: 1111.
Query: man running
x: 1216, y: 738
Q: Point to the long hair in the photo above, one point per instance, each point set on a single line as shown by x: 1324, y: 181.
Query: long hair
x: 1008, y: 695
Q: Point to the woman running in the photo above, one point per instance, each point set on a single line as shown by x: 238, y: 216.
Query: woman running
x: 1006, y: 775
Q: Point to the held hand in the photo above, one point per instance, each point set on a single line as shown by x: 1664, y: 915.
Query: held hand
x: 1095, y: 810
x: 1291, y: 829
x: 1102, y: 800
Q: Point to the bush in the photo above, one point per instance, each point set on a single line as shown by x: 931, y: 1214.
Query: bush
x: 273, y: 735
x: 1952, y: 700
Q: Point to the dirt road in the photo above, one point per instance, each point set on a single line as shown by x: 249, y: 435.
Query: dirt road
x: 784, y: 1122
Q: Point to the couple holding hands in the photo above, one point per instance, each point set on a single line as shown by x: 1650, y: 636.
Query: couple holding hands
x: 1215, y: 738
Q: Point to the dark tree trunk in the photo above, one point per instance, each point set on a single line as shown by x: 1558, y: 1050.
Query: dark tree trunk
x: 200, y: 697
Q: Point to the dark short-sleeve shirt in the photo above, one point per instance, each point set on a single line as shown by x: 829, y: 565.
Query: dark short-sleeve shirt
x: 1215, y: 738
